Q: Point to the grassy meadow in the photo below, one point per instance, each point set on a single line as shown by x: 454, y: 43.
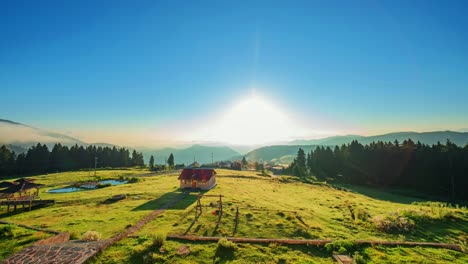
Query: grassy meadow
x: 269, y: 207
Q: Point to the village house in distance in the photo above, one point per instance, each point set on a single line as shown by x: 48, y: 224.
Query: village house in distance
x: 197, y: 178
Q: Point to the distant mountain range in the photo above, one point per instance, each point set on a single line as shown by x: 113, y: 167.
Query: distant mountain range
x: 459, y: 138
x: 20, y: 137
x: 201, y: 154
x: 285, y: 153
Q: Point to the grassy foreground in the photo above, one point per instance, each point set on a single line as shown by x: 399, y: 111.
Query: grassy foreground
x: 280, y: 207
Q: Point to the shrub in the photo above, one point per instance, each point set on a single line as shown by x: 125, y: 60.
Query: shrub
x: 138, y: 249
x: 158, y: 258
x: 438, y: 210
x: 133, y: 180
x: 225, y: 245
x: 74, y: 235
x: 6, y: 231
x: 158, y: 240
x: 362, y: 214
x: 358, y: 258
x: 91, y: 236
x: 340, y: 246
x: 393, y: 223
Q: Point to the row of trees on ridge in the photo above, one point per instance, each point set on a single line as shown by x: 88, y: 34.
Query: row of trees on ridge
x: 38, y: 159
x: 440, y: 169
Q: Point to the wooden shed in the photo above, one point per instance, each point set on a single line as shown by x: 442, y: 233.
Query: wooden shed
x: 197, y: 178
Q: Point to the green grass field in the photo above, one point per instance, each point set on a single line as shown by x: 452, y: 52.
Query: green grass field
x: 280, y: 207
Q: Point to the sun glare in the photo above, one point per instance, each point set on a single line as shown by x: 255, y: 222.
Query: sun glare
x: 251, y: 121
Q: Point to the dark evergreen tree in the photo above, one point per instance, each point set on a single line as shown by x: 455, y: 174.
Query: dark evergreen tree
x: 170, y: 161
x: 151, y: 162
x: 244, y: 161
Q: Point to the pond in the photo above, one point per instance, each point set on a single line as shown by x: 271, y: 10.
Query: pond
x: 86, y: 187
x: 66, y: 190
x: 112, y: 182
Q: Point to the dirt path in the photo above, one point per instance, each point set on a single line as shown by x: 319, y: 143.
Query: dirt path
x: 59, y: 250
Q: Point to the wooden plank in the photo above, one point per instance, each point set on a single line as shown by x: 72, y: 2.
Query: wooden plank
x: 343, y: 259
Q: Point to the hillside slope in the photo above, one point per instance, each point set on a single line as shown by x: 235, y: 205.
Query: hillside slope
x: 202, y: 154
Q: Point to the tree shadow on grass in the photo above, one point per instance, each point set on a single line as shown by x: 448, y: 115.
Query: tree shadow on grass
x: 155, y: 204
x: 385, y: 194
x: 20, y: 210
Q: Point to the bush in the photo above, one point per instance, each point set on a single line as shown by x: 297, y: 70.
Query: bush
x: 225, y: 244
x: 158, y: 240
x: 225, y: 249
x: 340, y: 246
x: 133, y: 180
x: 362, y: 214
x: 91, y: 236
x: 438, y: 210
x: 393, y: 223
x: 142, y: 239
x: 158, y: 258
x: 358, y: 258
x: 74, y: 235
x: 6, y: 231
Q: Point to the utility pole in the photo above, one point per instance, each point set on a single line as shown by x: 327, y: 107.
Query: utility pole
x: 95, y: 165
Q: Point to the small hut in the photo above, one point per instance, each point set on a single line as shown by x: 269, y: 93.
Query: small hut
x: 198, y: 178
x: 21, y: 189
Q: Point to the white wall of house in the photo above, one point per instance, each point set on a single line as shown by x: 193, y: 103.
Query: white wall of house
x: 200, y: 184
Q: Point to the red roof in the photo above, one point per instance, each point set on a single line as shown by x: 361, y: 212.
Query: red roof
x: 197, y: 174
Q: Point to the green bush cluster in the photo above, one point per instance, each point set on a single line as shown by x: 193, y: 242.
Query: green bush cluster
x: 6, y: 231
x: 394, y: 222
x: 340, y: 246
x: 158, y: 240
x: 91, y: 236
x: 225, y: 249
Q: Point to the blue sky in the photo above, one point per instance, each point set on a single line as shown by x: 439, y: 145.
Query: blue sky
x: 370, y: 67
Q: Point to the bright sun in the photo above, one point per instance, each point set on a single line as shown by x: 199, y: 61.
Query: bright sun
x: 252, y: 121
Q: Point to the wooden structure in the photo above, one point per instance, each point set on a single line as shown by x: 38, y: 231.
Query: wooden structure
x: 199, y: 206
x: 236, y: 221
x: 23, y: 192
x: 25, y: 203
x: 197, y: 178
x: 343, y: 259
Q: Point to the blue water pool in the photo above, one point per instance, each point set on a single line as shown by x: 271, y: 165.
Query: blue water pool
x: 78, y: 189
x: 66, y: 190
x: 112, y: 182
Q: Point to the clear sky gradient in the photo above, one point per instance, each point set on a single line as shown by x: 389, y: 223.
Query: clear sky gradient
x: 106, y: 70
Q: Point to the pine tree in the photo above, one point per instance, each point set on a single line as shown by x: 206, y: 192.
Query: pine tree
x: 151, y: 162
x: 244, y: 161
x: 170, y: 161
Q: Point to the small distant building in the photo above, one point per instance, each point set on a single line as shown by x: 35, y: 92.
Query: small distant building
x: 21, y: 189
x: 236, y: 165
x: 197, y: 178
x: 224, y: 164
x: 179, y: 166
x: 276, y: 170
x: 194, y: 165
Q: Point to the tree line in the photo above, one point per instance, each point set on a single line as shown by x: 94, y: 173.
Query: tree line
x: 38, y: 159
x: 440, y: 169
